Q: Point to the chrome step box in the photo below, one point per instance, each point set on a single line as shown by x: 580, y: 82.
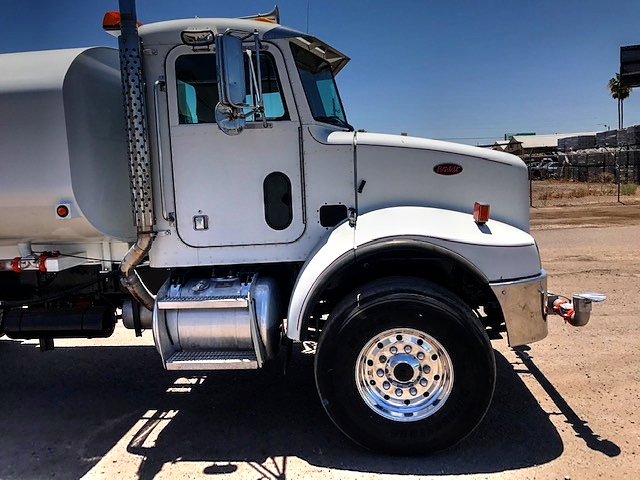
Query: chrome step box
x: 217, y: 323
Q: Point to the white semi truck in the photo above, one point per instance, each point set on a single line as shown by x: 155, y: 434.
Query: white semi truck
x: 260, y: 219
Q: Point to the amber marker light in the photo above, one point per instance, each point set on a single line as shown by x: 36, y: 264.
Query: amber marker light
x: 111, y: 21
x: 481, y: 213
x: 265, y: 19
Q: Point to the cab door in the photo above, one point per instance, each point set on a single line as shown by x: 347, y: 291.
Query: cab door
x: 233, y: 190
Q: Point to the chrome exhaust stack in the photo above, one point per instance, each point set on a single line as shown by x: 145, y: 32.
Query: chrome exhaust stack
x: 138, y: 148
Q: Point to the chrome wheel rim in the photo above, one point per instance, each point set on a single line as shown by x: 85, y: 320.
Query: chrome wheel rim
x: 404, y: 374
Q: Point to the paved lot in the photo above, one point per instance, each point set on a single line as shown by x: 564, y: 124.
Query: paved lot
x: 565, y: 408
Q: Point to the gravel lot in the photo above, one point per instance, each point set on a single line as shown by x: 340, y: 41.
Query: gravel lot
x: 566, y: 407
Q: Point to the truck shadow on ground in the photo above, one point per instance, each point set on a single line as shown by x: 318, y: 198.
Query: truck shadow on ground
x: 68, y: 408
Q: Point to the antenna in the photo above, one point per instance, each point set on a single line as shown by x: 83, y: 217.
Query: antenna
x: 308, y: 16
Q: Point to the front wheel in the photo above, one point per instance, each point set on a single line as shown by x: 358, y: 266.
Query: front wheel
x: 404, y: 367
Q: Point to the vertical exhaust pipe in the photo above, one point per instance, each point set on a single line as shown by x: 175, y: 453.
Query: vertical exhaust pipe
x: 138, y: 148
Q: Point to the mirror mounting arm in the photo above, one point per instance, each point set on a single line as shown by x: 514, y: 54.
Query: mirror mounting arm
x: 260, y: 102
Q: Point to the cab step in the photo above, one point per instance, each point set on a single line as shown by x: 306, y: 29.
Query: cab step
x: 213, y: 360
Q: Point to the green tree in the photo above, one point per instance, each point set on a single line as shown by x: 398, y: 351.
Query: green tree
x: 619, y: 93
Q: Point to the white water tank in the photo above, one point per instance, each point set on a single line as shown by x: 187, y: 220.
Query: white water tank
x: 63, y: 142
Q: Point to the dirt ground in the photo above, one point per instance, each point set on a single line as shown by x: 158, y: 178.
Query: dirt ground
x: 564, y: 408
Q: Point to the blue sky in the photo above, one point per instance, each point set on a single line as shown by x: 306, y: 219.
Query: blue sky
x: 461, y: 70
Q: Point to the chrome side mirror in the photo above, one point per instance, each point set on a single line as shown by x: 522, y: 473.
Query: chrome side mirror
x: 233, y: 108
x: 231, y: 84
x: 231, y: 76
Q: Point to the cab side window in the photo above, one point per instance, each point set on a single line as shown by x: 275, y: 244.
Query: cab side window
x: 197, y: 89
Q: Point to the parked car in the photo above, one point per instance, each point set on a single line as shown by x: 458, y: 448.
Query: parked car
x: 552, y: 169
x: 545, y: 168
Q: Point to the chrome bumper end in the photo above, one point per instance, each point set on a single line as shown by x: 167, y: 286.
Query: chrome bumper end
x: 523, y: 304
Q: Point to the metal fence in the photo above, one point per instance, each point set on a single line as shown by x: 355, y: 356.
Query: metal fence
x: 619, y: 166
x: 602, y: 171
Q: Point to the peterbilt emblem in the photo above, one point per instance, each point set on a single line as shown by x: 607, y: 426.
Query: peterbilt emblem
x: 447, y: 169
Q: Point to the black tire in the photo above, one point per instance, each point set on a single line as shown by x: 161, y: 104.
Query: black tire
x: 439, y: 391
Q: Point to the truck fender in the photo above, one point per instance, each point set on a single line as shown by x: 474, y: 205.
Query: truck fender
x: 498, y: 250
x: 495, y: 251
x: 333, y: 252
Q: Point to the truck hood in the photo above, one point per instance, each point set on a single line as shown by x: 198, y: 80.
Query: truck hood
x: 402, y: 141
x: 397, y: 170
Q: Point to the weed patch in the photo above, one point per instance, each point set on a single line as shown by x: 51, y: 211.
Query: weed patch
x: 628, y: 189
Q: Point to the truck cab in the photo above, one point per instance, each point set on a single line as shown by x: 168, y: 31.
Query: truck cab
x: 239, y: 196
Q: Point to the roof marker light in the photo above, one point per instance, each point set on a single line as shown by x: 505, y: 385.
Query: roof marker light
x: 265, y: 19
x: 272, y: 17
x: 481, y: 213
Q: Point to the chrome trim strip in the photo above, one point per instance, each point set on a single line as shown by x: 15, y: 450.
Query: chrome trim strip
x: 157, y: 86
x: 205, y: 303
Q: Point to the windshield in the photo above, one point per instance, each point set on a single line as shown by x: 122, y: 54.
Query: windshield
x: 319, y: 87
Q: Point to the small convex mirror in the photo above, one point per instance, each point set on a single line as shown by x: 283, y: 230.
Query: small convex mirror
x: 228, y: 120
